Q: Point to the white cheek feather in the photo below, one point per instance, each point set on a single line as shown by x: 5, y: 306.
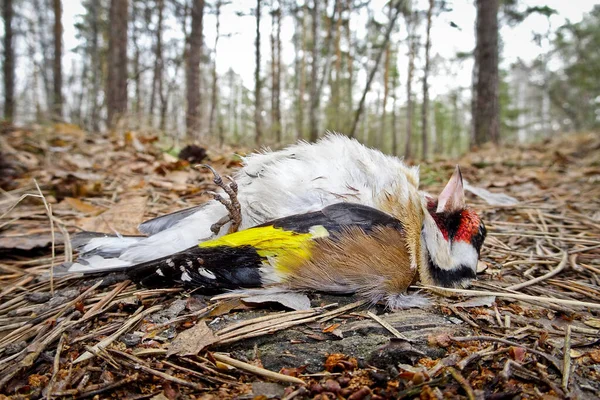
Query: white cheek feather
x: 464, y: 253
x: 445, y: 255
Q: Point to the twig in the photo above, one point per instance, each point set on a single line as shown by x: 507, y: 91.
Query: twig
x: 257, y: 370
x: 561, y: 265
x: 463, y: 382
x: 566, y: 360
x: 49, y: 213
x: 132, y: 321
x: 137, y: 363
x: 476, y: 293
x: 94, y: 390
x: 548, y: 357
x: 56, y: 365
x: 387, y: 326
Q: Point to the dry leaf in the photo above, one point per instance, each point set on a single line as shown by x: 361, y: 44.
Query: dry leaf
x: 124, y: 217
x: 593, y: 322
x: 192, y: 341
x: 83, y: 207
x: 294, y: 301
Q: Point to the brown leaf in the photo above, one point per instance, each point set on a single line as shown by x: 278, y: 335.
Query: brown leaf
x: 593, y: 322
x: 83, y: 207
x: 123, y: 218
x: 192, y: 341
x: 28, y: 242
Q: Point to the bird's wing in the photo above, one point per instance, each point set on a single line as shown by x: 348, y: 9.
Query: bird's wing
x: 262, y: 254
x: 163, y: 222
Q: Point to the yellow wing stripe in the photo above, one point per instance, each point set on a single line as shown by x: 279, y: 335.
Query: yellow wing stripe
x: 278, y: 245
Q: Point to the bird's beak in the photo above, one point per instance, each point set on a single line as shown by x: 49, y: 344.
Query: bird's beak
x: 452, y: 197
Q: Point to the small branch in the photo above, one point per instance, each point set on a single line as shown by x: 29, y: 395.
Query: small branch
x: 525, y: 297
x: 136, y: 363
x: 387, y: 326
x: 559, y: 268
x: 257, y: 370
x: 463, y: 382
x: 93, y: 390
x: 548, y: 357
x: 566, y: 360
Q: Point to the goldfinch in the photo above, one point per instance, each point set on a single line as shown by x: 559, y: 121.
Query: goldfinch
x: 332, y: 216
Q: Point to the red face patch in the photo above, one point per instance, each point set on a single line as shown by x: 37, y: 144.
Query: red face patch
x: 468, y: 226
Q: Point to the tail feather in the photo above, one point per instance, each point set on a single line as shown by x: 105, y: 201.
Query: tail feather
x: 102, y: 244
x: 97, y: 263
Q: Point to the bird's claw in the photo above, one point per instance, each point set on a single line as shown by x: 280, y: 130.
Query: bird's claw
x: 232, y: 205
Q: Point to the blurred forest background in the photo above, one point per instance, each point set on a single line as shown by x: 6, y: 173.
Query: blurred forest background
x: 368, y: 69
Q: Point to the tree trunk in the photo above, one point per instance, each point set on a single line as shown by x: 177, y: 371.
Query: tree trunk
x: 96, y: 66
x: 58, y: 32
x: 412, y: 44
x: 45, y: 47
x: 116, y: 93
x: 394, y: 115
x: 425, y: 108
x: 486, y: 118
x: 302, y: 83
x: 158, y: 63
x: 136, y: 64
x: 276, y: 73
x: 386, y: 78
x: 350, y: 66
x: 9, y: 62
x: 335, y: 84
x: 314, y: 66
x: 192, y: 119
x: 214, y: 96
x: 388, y: 32
x: 257, y: 80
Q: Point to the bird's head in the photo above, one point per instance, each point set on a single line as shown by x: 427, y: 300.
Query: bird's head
x: 452, y: 236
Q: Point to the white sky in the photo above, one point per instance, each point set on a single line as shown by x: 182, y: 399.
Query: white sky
x: 237, y: 50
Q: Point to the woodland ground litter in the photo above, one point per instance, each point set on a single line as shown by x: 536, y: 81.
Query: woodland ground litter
x: 532, y: 331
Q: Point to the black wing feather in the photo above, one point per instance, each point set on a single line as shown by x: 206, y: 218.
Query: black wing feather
x: 221, y: 267
x: 337, y: 216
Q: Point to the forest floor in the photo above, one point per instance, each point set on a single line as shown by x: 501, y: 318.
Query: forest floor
x: 528, y: 328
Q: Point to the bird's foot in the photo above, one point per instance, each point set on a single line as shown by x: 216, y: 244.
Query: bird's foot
x: 232, y: 205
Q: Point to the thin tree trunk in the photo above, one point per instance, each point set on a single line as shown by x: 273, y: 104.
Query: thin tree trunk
x: 158, y: 63
x: 192, y: 120
x: 58, y: 32
x: 388, y: 33
x: 277, y: 78
x: 214, y: 95
x: 335, y: 86
x: 350, y: 62
x: 116, y: 93
x: 454, y: 142
x: 136, y: 63
x: 412, y: 43
x: 302, y: 84
x: 386, y: 78
x: 425, y: 108
x: 314, y: 102
x: 45, y: 46
x: 257, y: 80
x: 394, y: 115
x: 96, y: 66
x: 9, y: 62
x: 486, y: 112
x: 79, y: 107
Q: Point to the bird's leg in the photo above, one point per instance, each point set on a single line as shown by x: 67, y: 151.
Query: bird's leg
x: 232, y: 205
